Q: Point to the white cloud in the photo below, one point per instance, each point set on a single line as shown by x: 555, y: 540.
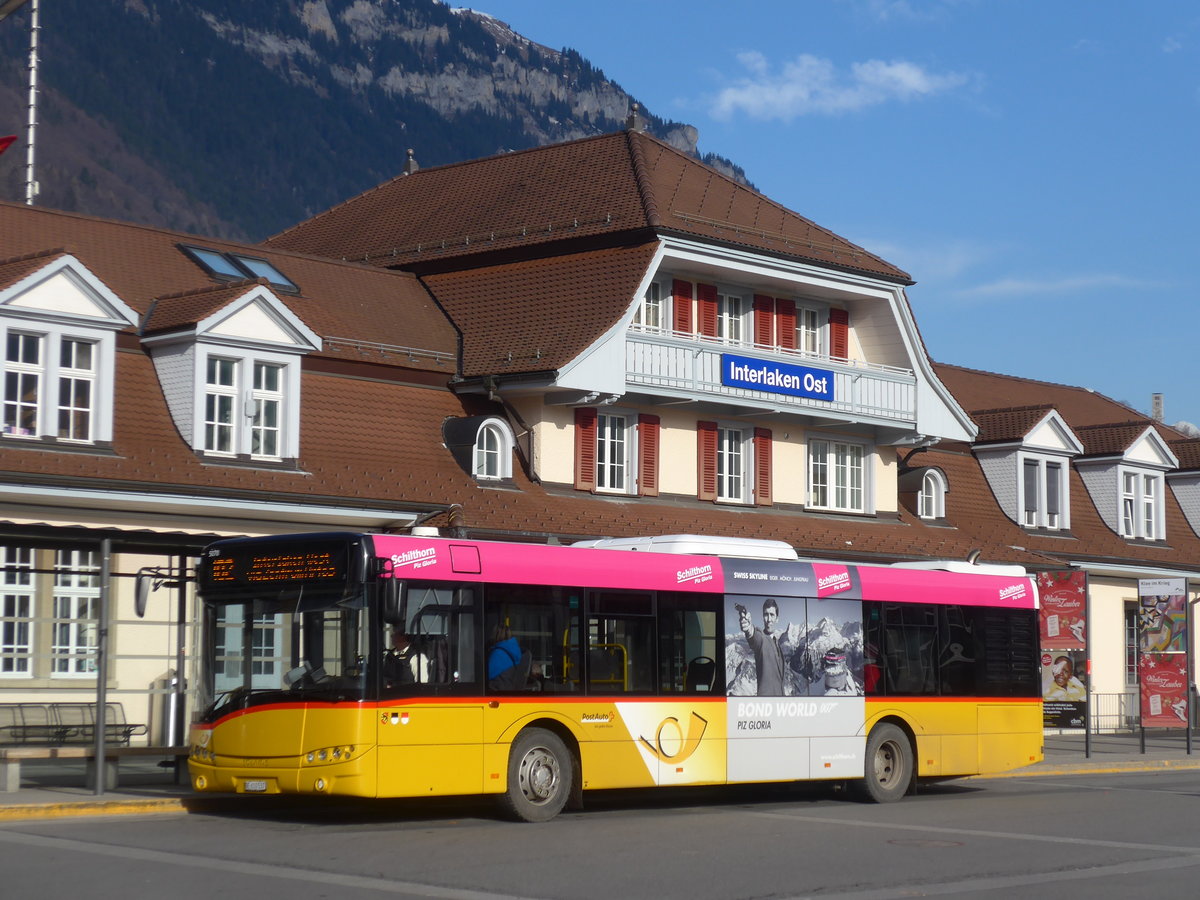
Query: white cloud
x: 811, y: 85
x: 885, y: 11
x: 935, y: 262
x: 1030, y: 287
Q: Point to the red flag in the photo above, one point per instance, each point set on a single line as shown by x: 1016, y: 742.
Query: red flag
x: 6, y: 142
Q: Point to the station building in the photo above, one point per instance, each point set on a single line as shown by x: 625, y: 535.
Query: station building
x: 603, y: 338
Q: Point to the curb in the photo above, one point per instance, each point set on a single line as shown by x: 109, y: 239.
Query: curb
x: 79, y: 808
x: 1097, y: 767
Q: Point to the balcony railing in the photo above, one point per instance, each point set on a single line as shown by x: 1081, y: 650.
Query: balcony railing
x: 689, y: 366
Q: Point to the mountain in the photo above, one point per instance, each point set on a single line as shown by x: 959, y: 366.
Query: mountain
x: 238, y: 119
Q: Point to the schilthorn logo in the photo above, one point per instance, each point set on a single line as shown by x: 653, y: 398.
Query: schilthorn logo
x: 1012, y: 592
x: 839, y: 581
x: 417, y: 559
x: 696, y: 575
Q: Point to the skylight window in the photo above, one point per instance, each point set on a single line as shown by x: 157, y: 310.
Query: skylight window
x: 237, y: 266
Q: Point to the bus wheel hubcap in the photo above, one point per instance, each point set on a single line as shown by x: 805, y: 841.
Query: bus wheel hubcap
x: 539, y: 774
x: 886, y: 763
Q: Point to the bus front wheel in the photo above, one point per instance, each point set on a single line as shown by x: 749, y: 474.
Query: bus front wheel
x: 888, y: 767
x: 539, y: 776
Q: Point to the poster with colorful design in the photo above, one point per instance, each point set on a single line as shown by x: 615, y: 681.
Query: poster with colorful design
x: 1163, y: 679
x: 1064, y: 609
x: 1162, y: 615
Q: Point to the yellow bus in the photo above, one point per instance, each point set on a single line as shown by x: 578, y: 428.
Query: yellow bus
x: 405, y: 666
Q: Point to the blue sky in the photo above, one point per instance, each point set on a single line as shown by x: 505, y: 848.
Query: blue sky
x: 1033, y: 165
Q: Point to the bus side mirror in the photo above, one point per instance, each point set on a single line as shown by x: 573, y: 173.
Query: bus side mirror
x: 393, y: 602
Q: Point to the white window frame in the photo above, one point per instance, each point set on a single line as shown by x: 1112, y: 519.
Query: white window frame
x: 838, y: 475
x: 731, y: 316
x: 74, y: 377
x: 52, y: 375
x: 735, y: 463
x: 246, y: 401
x: 1141, y: 514
x: 616, y: 451
x: 76, y: 613
x: 18, y: 612
x: 931, y: 499
x: 651, y: 314
x: 811, y: 325
x: 1044, y: 471
x: 266, y: 402
x: 491, y: 457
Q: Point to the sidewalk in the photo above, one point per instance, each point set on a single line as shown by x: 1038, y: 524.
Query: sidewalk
x: 57, y: 790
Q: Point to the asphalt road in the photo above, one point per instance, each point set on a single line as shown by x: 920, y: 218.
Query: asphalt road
x: 1085, y: 836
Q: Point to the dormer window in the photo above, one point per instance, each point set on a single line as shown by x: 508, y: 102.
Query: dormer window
x: 931, y: 499
x: 231, y: 375
x: 1042, y: 489
x: 58, y: 328
x: 1141, y: 505
x: 492, y: 456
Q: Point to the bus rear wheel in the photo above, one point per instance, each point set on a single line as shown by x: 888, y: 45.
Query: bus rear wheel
x: 540, y: 771
x: 888, y: 768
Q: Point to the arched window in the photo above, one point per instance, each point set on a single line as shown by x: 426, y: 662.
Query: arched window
x: 931, y: 501
x: 493, y: 451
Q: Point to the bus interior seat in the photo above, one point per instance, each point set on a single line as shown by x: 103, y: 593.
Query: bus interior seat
x: 700, y: 675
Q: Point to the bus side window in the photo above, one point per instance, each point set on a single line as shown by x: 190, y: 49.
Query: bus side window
x: 689, y: 653
x: 910, y: 648
x: 530, y: 643
x: 620, y: 643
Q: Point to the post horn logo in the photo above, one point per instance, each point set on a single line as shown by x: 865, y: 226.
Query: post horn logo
x: 697, y: 725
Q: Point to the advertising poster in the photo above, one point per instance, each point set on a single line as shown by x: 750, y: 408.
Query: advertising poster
x: 1064, y: 609
x: 1064, y: 688
x: 1162, y: 617
x: 1163, y: 678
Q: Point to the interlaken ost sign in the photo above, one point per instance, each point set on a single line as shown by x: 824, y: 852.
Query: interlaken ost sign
x: 776, y: 377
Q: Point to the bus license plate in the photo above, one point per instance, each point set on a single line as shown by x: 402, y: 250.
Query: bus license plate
x: 257, y: 786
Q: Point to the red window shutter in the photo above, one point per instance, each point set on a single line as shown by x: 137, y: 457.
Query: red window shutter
x: 785, y: 323
x: 764, y: 320
x: 585, y: 449
x: 762, y: 466
x: 681, y: 295
x: 706, y: 297
x: 648, y: 456
x: 839, y: 334
x: 706, y: 457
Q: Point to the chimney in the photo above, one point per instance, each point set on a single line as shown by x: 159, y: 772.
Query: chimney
x: 410, y: 165
x: 1156, y: 407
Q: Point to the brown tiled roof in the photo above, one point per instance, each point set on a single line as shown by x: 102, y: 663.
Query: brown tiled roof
x: 595, y: 188
x: 1188, y: 452
x: 976, y: 519
x: 1011, y: 424
x: 1107, y: 440
x: 541, y: 314
x: 13, y: 270
x: 179, y: 310
x: 1079, y: 407
x: 360, y: 304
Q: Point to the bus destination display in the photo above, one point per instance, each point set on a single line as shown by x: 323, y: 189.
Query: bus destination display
x: 312, y: 565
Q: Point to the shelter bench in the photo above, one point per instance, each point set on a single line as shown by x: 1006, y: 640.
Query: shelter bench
x: 68, y: 731
x: 12, y: 757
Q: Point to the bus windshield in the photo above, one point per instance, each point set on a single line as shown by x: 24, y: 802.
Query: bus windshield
x: 284, y: 647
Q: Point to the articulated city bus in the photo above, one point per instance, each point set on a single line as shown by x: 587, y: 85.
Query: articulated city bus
x: 406, y: 666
